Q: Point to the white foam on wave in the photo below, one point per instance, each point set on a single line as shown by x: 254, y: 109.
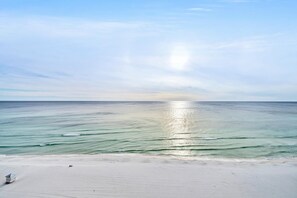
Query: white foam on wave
x: 209, y: 138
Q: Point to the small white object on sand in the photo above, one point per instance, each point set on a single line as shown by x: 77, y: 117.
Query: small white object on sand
x: 10, y: 178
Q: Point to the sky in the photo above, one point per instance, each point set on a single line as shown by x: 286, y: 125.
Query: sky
x: 140, y: 50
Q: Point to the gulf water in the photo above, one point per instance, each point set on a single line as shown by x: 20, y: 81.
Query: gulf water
x: 180, y: 128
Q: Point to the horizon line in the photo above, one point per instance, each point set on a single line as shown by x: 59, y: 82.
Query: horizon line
x: 148, y: 100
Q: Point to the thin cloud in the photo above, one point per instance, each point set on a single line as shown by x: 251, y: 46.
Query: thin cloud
x: 61, y: 26
x: 200, y: 9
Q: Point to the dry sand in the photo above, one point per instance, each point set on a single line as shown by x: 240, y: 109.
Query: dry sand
x: 146, y: 176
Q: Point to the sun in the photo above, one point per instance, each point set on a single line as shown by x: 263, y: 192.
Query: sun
x: 179, y: 57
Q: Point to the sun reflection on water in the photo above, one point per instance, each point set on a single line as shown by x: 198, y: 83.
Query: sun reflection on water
x: 178, y: 125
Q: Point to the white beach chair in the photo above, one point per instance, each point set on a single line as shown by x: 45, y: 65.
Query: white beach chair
x: 10, y: 178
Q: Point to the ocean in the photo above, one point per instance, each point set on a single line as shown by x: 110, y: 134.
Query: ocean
x: 178, y: 128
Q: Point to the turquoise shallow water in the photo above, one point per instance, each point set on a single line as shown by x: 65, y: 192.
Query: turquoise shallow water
x: 208, y: 129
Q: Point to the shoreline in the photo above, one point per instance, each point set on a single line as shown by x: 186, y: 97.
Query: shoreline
x: 134, y: 175
x: 136, y: 157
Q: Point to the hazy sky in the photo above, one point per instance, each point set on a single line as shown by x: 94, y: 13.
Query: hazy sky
x: 148, y: 50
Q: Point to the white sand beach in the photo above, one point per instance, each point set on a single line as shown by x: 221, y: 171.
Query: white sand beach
x: 146, y: 176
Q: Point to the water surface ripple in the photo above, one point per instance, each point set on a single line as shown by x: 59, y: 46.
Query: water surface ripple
x: 212, y: 129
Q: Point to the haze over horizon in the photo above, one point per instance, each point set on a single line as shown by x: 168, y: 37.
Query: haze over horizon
x: 148, y: 50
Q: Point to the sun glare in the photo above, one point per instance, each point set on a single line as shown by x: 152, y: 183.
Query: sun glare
x: 179, y: 57
x: 178, y: 124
